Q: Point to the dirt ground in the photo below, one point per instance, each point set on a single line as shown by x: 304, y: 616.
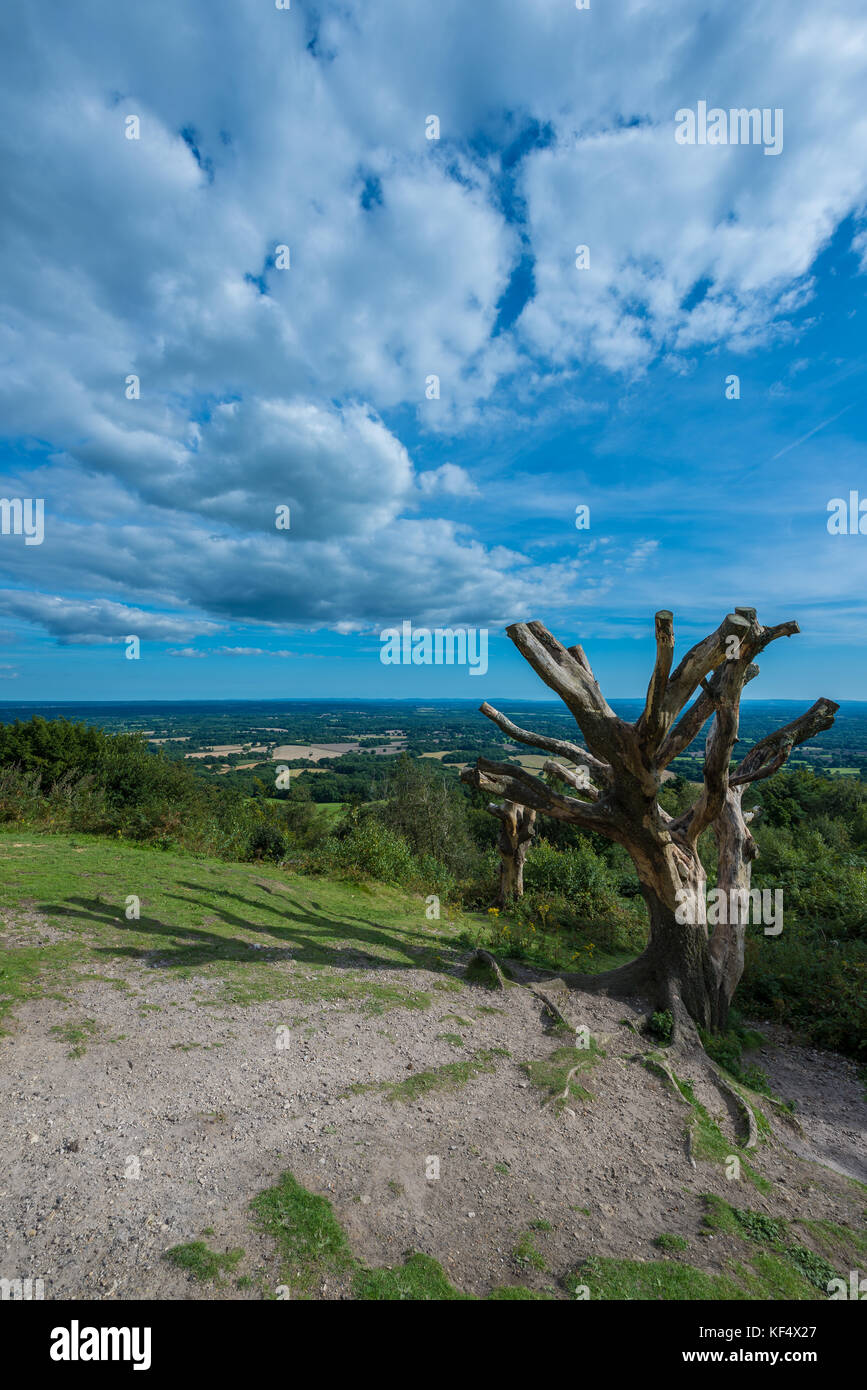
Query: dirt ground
x: 178, y: 1113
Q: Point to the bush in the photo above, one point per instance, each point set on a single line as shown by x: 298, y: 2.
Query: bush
x: 266, y: 841
x: 575, y: 873
x: 374, y: 849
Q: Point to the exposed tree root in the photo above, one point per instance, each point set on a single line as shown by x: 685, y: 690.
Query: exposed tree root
x: 637, y: 979
x: 483, y: 962
x: 565, y: 1094
x: 661, y: 1069
x: 552, y: 1007
x: 744, y: 1109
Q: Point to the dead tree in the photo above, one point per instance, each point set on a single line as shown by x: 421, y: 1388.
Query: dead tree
x: 685, y: 967
x: 517, y: 828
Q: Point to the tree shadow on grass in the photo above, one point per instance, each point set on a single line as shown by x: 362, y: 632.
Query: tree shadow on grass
x: 299, y: 939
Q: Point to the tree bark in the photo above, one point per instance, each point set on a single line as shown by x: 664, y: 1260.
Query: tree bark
x: 685, y: 967
x: 517, y: 827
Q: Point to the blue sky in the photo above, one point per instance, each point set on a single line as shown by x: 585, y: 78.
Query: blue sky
x: 305, y: 386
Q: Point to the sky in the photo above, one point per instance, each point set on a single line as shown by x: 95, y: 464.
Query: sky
x: 239, y: 277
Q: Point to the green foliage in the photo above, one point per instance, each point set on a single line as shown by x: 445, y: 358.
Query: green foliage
x: 526, y: 1255
x: 669, y: 1242
x: 742, y: 1221
x: 661, y: 1025
x: 427, y: 808
x: 266, y: 841
x: 814, y: 1268
x: 727, y: 1050
x: 201, y: 1262
x: 308, y: 1235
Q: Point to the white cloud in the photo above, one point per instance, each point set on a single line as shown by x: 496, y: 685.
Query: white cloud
x: 142, y: 257
x: 448, y: 480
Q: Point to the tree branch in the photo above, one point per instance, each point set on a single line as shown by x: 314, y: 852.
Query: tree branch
x: 567, y: 675
x: 771, y: 752
x: 699, y: 661
x: 574, y: 779
x: 562, y: 747
x: 651, y: 724
x: 514, y: 784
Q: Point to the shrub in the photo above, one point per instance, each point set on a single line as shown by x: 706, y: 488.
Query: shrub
x: 266, y: 841
x: 378, y: 851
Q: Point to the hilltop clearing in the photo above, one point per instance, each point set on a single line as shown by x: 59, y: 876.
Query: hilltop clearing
x: 180, y: 1090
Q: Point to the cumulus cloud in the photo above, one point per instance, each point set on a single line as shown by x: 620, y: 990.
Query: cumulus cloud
x: 97, y: 620
x: 261, y: 385
x: 448, y: 480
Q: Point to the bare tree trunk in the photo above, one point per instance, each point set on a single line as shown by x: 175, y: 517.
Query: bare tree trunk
x: 683, y: 967
x: 736, y: 850
x: 517, y: 827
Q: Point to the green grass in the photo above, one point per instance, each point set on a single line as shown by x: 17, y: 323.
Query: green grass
x: 750, y: 1225
x: 550, y: 1073
x: 663, y: 1280
x: 420, y: 1278
x: 769, y: 1265
x: 201, y: 1262
x: 203, y: 918
x: 668, y: 1242
x: 77, y: 1035
x: 710, y: 1144
x: 446, y: 1078
x: 309, y: 1238
x: 311, y: 1246
x: 782, y: 1267
x: 526, y: 1254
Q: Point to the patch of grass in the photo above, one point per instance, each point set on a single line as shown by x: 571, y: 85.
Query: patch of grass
x: 813, y: 1267
x: 26, y: 971
x: 662, y: 1280
x: 456, y: 1018
x: 201, y: 919
x: 420, y: 1279
x: 77, y: 1035
x: 201, y: 1262
x: 741, y: 1221
x: 525, y: 1253
x: 775, y: 1277
x: 446, y: 1078
x: 668, y: 1242
x: 454, y: 1038
x: 308, y: 1235
x: 710, y: 1144
x: 726, y: 1049
x: 838, y: 1242
x: 549, y: 1073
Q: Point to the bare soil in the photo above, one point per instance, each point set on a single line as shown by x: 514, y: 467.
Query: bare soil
x: 179, y: 1112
